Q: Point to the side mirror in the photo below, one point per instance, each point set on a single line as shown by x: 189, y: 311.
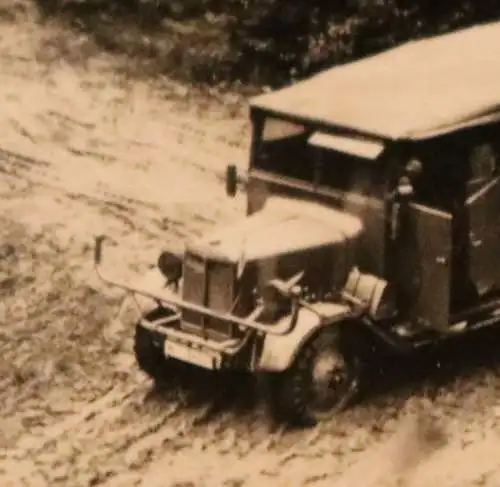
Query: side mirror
x: 231, y: 180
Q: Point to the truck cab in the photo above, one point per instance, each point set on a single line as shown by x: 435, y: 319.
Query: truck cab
x: 373, y: 220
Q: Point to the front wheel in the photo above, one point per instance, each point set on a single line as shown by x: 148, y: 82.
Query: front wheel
x: 148, y: 349
x: 322, y: 381
x: 151, y: 359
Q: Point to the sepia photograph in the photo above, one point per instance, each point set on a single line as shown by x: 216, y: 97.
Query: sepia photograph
x: 249, y: 243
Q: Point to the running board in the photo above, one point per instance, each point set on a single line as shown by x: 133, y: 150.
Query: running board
x: 458, y: 329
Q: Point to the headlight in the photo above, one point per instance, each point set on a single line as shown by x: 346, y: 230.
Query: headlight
x: 170, y: 266
x: 277, y: 299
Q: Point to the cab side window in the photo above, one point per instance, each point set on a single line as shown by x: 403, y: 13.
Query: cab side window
x: 483, y: 166
x: 436, y: 183
x: 283, y: 150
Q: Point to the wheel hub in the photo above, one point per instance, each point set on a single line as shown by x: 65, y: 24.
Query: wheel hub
x: 328, y: 376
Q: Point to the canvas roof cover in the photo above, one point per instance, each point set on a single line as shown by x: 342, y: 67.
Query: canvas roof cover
x: 409, y: 92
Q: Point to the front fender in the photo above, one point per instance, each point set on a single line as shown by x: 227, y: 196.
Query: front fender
x: 136, y: 305
x: 279, y: 351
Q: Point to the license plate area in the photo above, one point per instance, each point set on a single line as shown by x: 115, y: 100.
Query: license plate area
x: 202, y: 358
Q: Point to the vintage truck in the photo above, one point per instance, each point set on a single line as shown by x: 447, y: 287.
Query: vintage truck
x: 373, y: 223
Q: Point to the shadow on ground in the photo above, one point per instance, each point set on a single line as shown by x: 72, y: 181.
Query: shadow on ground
x: 389, y: 381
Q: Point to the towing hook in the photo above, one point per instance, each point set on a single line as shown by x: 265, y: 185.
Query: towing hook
x: 98, y: 249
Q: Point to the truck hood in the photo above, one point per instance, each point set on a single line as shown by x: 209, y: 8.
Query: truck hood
x: 284, y: 225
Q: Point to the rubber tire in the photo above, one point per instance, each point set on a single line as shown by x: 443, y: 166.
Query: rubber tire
x: 288, y: 392
x: 149, y: 354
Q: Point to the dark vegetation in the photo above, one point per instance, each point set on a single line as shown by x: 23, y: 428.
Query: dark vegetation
x: 257, y: 42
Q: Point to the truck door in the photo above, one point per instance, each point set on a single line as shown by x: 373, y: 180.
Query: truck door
x: 483, y: 212
x: 428, y: 258
x: 483, y: 208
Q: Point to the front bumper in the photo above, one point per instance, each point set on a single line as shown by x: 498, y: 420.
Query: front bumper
x: 202, y: 351
x: 186, y: 347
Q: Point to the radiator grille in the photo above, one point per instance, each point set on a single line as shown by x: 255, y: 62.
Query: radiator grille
x: 194, y: 287
x: 208, y: 284
x: 220, y: 295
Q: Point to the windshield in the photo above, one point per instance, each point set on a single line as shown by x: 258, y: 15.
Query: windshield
x: 285, y: 149
x: 276, y: 129
x: 348, y: 173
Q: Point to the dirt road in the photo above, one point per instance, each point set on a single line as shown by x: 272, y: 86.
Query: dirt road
x: 83, y: 154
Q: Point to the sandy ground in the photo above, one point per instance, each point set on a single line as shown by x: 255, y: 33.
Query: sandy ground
x: 82, y: 154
